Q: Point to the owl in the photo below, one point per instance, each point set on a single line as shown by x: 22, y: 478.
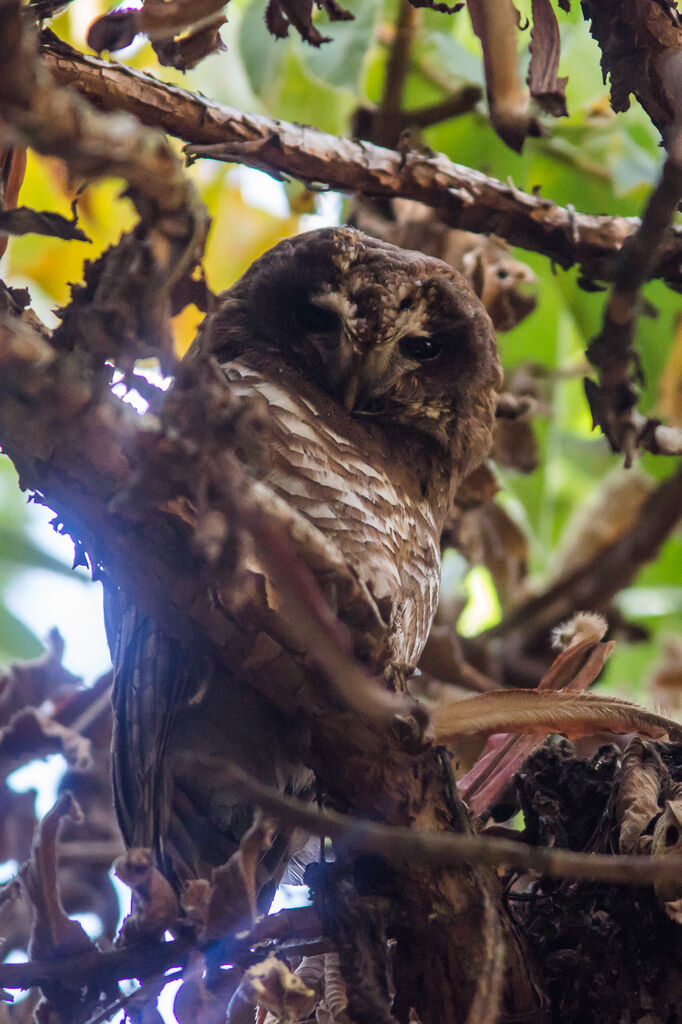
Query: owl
x: 377, y: 368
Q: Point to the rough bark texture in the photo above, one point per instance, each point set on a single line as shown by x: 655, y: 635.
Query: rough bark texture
x: 464, y: 198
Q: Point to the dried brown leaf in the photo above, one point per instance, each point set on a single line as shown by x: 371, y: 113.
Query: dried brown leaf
x: 24, y: 221
x: 638, y: 796
x: 640, y: 41
x: 435, y: 5
x: 185, y: 52
x: 29, y: 683
x: 536, y: 712
x: 280, y: 14
x: 335, y: 991
x: 52, y: 933
x: 495, y: 22
x: 232, y: 902
x: 545, y: 50
x: 667, y: 842
x: 155, y: 907
x: 113, y: 31
x: 31, y: 734
x: 274, y: 987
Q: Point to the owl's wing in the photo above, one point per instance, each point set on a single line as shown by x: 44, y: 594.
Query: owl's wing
x: 151, y: 681
x: 165, y: 799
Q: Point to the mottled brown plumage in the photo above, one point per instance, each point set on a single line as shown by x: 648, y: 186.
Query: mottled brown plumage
x: 377, y: 367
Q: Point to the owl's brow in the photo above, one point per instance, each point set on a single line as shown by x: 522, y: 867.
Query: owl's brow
x: 338, y: 302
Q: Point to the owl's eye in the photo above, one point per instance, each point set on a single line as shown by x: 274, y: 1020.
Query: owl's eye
x: 420, y: 348
x: 316, y: 319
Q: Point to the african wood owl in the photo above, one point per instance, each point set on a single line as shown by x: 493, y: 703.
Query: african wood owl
x: 378, y: 368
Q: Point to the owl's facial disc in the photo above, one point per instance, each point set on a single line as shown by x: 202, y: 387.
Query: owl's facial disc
x: 325, y: 321
x: 390, y: 334
x: 361, y: 359
x: 403, y: 356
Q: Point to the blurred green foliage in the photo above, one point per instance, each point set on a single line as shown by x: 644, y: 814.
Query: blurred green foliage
x: 593, y: 160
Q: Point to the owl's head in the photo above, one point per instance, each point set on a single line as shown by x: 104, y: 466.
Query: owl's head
x: 394, y: 336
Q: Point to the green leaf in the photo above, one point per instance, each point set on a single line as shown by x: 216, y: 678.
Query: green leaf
x: 341, y: 62
x: 16, y: 640
x: 18, y: 550
x: 262, y: 55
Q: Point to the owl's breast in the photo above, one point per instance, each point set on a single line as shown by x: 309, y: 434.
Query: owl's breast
x: 348, y: 485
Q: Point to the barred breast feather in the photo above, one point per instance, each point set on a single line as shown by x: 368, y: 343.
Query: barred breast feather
x: 343, y: 484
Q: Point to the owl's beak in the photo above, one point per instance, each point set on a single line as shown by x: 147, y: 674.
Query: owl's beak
x: 350, y: 395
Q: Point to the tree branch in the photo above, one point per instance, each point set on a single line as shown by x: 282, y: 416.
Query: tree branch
x: 444, y: 849
x: 612, y: 352
x: 299, y: 928
x: 594, y: 584
x: 105, y: 448
x: 386, y: 123
x: 59, y: 123
x: 464, y: 198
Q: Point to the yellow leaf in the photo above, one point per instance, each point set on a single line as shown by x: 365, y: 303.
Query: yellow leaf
x: 670, y: 384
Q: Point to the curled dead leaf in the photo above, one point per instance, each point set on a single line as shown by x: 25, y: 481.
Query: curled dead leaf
x: 32, y: 733
x: 29, y: 683
x: 52, y: 932
x: 186, y: 51
x: 495, y: 22
x: 274, y: 987
x: 24, y: 221
x: 155, y: 908
x: 538, y: 712
x: 280, y: 14
x: 667, y: 842
x: 234, y: 885
x: 638, y: 796
x: 545, y: 49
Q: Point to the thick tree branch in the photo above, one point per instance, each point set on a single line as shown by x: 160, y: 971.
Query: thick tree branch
x: 464, y: 198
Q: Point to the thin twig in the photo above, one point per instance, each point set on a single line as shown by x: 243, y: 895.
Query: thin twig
x: 612, y: 351
x: 386, y: 123
x: 461, y: 102
x: 446, y: 849
x: 594, y: 584
x: 141, y: 961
